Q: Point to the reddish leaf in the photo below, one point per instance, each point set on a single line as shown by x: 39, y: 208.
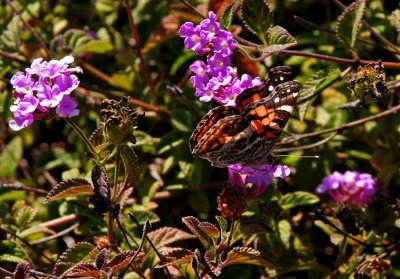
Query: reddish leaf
x: 123, y: 259
x: 22, y: 271
x: 214, y: 262
x: 248, y: 255
x: 69, y: 188
x: 101, y: 197
x: 193, y: 224
x: 101, y: 259
x: 84, y: 270
x: 211, y: 230
x: 175, y: 256
x: 167, y: 235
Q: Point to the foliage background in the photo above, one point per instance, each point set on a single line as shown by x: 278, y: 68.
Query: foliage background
x: 173, y: 183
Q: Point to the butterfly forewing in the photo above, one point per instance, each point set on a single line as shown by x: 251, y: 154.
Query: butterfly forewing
x: 208, y: 121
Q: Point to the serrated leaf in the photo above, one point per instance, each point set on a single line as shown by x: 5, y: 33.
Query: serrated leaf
x: 122, y: 259
x: 83, y: 270
x: 69, y: 188
x: 167, y: 235
x: 175, y: 256
x: 349, y: 23
x: 226, y: 17
x: 211, y: 230
x: 214, y: 262
x: 97, y: 46
x: 248, y: 255
x: 97, y: 137
x: 101, y: 196
x: 131, y: 166
x: 278, y: 35
x: 257, y: 17
x: 193, y: 224
x: 22, y: 271
x: 101, y: 258
x: 72, y: 256
x: 297, y: 198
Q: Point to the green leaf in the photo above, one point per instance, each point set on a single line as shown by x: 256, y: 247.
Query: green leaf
x: 211, y: 230
x: 10, y: 157
x: 349, y: 23
x: 226, y: 17
x: 318, y: 81
x: 297, y: 198
x: 278, y: 35
x: 223, y: 227
x: 24, y: 216
x: 167, y: 235
x: 69, y: 188
x: 181, y: 120
x: 248, y: 255
x: 72, y: 256
x: 97, y: 46
x: 11, y: 258
x: 257, y: 17
x: 122, y: 80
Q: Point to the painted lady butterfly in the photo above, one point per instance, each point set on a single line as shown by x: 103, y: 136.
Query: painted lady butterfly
x: 246, y: 133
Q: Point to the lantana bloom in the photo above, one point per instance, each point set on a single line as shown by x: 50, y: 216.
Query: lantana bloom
x: 45, y: 87
x: 259, y: 177
x: 216, y: 79
x: 352, y: 187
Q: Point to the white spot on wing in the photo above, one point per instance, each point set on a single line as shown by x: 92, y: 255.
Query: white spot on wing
x: 286, y: 108
x: 277, y: 100
x: 281, y: 78
x: 270, y: 88
x: 288, y: 91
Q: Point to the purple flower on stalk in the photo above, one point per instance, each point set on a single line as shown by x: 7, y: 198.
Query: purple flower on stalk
x: 353, y: 187
x: 224, y: 43
x: 194, y: 39
x: 45, y: 87
x: 259, y: 178
x: 218, y: 65
x: 210, y: 26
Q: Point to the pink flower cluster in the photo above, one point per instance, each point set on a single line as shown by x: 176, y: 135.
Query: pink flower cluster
x: 45, y: 87
x: 353, y: 187
x: 259, y: 178
x: 216, y: 79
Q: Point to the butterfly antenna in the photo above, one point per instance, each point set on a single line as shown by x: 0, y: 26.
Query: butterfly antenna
x: 298, y: 156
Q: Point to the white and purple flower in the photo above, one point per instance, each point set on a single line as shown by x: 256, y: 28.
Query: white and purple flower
x: 45, y: 86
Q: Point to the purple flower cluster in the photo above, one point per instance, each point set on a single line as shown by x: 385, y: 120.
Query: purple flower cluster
x: 215, y: 79
x: 357, y: 189
x: 44, y: 87
x: 259, y: 178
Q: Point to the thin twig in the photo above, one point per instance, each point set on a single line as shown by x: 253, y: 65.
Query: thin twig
x: 138, y: 48
x: 304, y: 147
x: 96, y: 72
x: 29, y: 27
x: 83, y: 137
x: 12, y: 57
x: 193, y: 8
x: 126, y: 234
x: 39, y: 273
x: 54, y: 236
x: 131, y: 100
x: 6, y: 271
x: 16, y: 186
x: 342, y: 127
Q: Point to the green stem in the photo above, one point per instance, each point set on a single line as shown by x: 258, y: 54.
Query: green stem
x: 83, y: 137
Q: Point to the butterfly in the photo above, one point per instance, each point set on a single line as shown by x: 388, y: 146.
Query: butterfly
x: 245, y: 134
